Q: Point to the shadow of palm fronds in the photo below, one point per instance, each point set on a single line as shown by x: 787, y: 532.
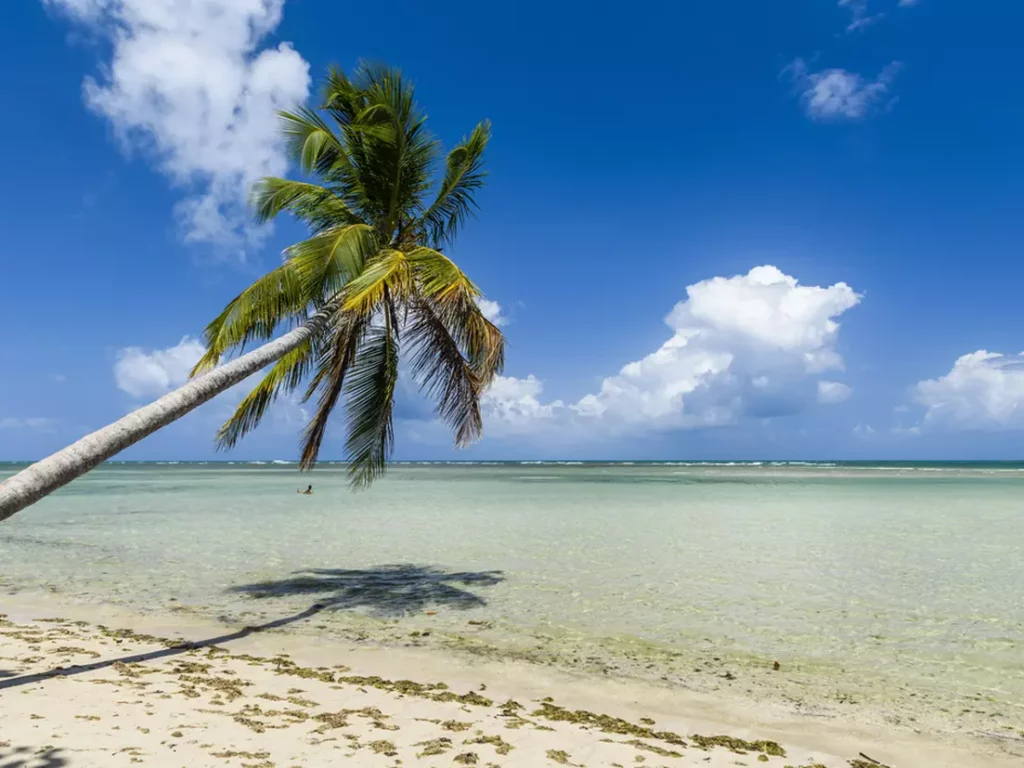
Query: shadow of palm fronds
x: 26, y: 757
x: 387, y: 590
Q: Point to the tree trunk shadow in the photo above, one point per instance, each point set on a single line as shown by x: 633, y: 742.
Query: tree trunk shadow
x: 173, y: 650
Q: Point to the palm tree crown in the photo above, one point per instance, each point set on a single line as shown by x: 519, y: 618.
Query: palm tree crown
x: 371, y: 276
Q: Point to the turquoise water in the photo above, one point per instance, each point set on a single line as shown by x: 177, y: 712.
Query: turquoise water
x: 901, y: 582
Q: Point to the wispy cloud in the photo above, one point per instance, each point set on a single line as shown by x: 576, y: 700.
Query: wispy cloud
x: 864, y: 431
x: 860, y: 18
x: 832, y: 95
x: 191, y: 84
x: 864, y: 22
x: 31, y: 422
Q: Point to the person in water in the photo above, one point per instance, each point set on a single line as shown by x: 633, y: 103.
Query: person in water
x: 307, y: 492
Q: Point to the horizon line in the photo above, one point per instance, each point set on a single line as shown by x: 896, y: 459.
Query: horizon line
x: 556, y: 461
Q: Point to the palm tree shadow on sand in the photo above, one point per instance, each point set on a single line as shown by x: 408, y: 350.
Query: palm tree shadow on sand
x: 387, y: 590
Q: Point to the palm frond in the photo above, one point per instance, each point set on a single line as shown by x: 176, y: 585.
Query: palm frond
x: 464, y: 175
x: 333, y: 366
x: 387, y: 270
x: 310, y: 142
x: 370, y: 402
x: 318, y: 206
x: 255, y: 314
x: 284, y: 376
x: 391, y: 146
x: 341, y: 97
x: 327, y: 261
x: 438, y: 276
x: 481, y: 341
x: 448, y: 378
x: 454, y: 297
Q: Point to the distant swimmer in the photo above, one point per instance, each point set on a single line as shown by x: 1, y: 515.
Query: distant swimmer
x: 307, y: 492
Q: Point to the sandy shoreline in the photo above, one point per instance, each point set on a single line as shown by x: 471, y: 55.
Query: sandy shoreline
x: 122, y: 690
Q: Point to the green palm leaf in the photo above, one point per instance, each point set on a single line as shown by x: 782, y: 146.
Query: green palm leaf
x: 332, y: 368
x: 255, y: 314
x: 284, y: 376
x: 464, y: 175
x: 318, y: 206
x: 371, y: 391
x: 444, y: 373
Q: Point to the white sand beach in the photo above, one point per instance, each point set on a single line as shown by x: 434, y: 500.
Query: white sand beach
x: 118, y: 689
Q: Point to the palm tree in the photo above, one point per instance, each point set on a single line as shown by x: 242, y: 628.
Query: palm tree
x: 371, y: 278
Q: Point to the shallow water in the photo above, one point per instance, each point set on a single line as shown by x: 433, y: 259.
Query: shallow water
x: 909, y: 576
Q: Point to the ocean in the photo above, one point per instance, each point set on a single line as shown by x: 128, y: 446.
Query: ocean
x: 896, y: 586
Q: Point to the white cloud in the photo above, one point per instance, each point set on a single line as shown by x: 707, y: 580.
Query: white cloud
x: 984, y: 390
x: 863, y: 22
x: 31, y: 422
x: 151, y: 374
x: 832, y: 392
x: 836, y: 94
x: 859, y: 16
x: 901, y: 431
x: 60, y: 378
x: 864, y: 431
x: 188, y: 81
x: 908, y: 3
x: 745, y: 346
x: 492, y: 311
x: 513, y: 404
x: 856, y: 7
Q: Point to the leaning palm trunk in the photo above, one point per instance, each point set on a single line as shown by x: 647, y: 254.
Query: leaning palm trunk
x: 42, y: 478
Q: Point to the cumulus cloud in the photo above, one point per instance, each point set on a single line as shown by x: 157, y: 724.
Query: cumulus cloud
x: 832, y: 392
x: 152, y: 374
x: 492, y: 311
x: 984, y: 390
x: 745, y: 346
x: 190, y: 82
x: 515, y: 405
x: 832, y: 95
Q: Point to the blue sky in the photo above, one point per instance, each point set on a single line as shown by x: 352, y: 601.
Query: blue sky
x: 864, y: 159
